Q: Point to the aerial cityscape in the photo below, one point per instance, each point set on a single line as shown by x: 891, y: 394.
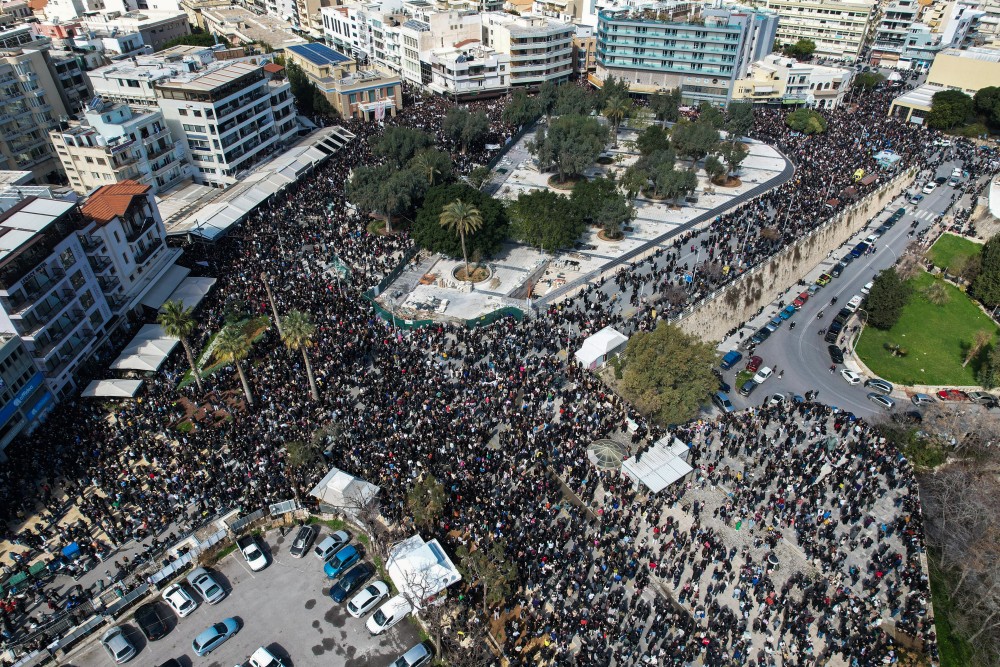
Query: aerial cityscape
x: 514, y: 333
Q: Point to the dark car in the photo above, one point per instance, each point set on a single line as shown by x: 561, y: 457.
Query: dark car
x: 352, y: 581
x: 847, y: 259
x: 304, y: 538
x: 835, y: 327
x: 843, y: 315
x: 908, y: 417
x: 830, y: 337
x: 859, y: 250
x: 760, y: 336
x: 882, y: 230
x: 836, y: 356
x: 754, y: 364
x: 941, y: 180
x: 837, y: 269
x: 154, y: 620
x: 748, y: 387
x: 171, y: 662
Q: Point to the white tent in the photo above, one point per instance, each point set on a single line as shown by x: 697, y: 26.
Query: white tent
x: 420, y: 570
x: 112, y: 388
x: 147, y: 351
x: 597, y: 349
x: 344, y: 491
x: 191, y: 291
x: 167, y: 283
x: 660, y: 466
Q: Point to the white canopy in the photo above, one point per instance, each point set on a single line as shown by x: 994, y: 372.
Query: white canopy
x: 112, y: 388
x: 420, y: 570
x: 167, y: 283
x: 147, y: 351
x: 191, y: 291
x: 344, y: 491
x: 597, y: 348
x: 662, y: 465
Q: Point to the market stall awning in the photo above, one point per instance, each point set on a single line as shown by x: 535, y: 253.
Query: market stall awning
x: 147, y: 351
x: 662, y: 465
x: 191, y: 291
x: 158, y: 294
x: 112, y: 388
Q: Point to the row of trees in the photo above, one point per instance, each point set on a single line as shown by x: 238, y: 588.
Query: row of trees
x: 954, y: 111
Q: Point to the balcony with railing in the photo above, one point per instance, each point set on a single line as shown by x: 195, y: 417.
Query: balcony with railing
x: 35, y: 288
x: 54, y: 336
x: 132, y: 234
x: 99, y: 263
x: 91, y: 243
x: 144, y: 255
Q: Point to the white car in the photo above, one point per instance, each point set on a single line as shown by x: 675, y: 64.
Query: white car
x: 388, y: 615
x: 854, y: 303
x: 254, y: 556
x: 206, y: 585
x: 365, y: 601
x: 866, y: 290
x: 264, y: 658
x: 929, y: 188
x: 179, y: 600
x: 851, y: 377
x: 762, y: 375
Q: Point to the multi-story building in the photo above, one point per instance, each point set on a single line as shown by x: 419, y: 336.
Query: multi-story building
x: 892, y: 31
x: 49, y: 291
x: 156, y: 27
x: 468, y: 69
x: 429, y: 30
x: 359, y: 29
x: 243, y: 26
x: 540, y: 50
x: 24, y: 399
x: 682, y: 45
x: 839, y: 28
x: 353, y: 92
x: 777, y: 80
x: 67, y: 10
x: 114, y: 143
x: 967, y: 70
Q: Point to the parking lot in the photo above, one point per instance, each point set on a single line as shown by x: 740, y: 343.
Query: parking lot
x: 285, y: 607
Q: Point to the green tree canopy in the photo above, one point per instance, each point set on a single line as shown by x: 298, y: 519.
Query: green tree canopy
x: 548, y: 94
x: 634, y: 180
x: 308, y: 99
x: 989, y: 372
x: 490, y: 568
x: 653, y: 138
x: 695, y: 140
x: 612, y: 88
x: 570, y: 143
x: 464, y: 128
x: 544, y: 219
x: 806, y: 121
x: 674, y: 184
x: 666, y: 106
x: 986, y: 103
x: 400, y: 144
x: 709, y: 113
x: 573, y: 99
x: 868, y: 80
x: 739, y: 119
x: 434, y: 165
x: 428, y: 233
x: 948, y: 109
x: 714, y: 167
x: 521, y: 109
x: 178, y: 321
x: 465, y: 220
x: 198, y: 37
x: 426, y: 500
x: 385, y: 190
x: 986, y: 286
x: 600, y: 202
x: 888, y: 296
x: 733, y: 153
x: 668, y: 373
x: 801, y: 50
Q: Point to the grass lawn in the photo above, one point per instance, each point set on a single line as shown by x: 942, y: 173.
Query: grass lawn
x: 950, y: 248
x: 936, y: 338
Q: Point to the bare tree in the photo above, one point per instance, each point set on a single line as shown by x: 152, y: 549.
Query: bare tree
x: 980, y: 340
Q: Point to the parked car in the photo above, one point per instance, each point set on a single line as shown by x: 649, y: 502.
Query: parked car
x: 366, y: 600
x: 843, y: 315
x: 264, y: 658
x: 252, y: 552
x: 340, y: 561
x: 812, y: 289
x: 776, y: 399
x: 207, y: 587
x: 214, y: 636
x: 760, y: 336
x: 851, y: 377
x: 351, y: 581
x: 730, y: 359
x: 929, y: 188
x: 304, y: 538
x: 748, y: 388
x: 881, y: 400
x: 388, y: 615
x: 801, y: 299
x: 854, y: 303
x: 847, y: 259
x: 836, y: 356
x: 754, y: 363
x: 831, y: 334
x: 917, y: 198
x: 879, y: 385
x: 417, y: 656
x: 859, y: 250
x: 836, y: 326
x: 982, y: 398
x: 787, y: 312
x: 117, y: 645
x: 941, y: 180
x: 866, y: 290
x: 179, y: 599
x: 330, y: 544
x: 721, y: 401
x: 922, y: 399
x: 837, y: 269
x: 153, y: 620
x: 824, y: 279
x: 762, y: 375
x: 773, y: 325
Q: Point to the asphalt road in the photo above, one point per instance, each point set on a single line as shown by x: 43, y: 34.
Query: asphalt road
x: 801, y: 353
x: 285, y: 607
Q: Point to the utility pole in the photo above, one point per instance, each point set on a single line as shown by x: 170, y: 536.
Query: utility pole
x: 266, y: 279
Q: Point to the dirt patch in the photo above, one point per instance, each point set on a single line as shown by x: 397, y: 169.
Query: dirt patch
x: 568, y: 184
x: 730, y: 182
x: 477, y: 275
x: 604, y: 237
x: 428, y: 278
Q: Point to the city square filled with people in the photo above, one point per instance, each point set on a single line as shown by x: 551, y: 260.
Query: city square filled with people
x: 797, y: 538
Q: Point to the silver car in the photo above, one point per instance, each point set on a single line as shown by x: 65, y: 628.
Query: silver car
x: 117, y: 645
x: 882, y: 401
x: 417, y: 656
x: 208, y: 588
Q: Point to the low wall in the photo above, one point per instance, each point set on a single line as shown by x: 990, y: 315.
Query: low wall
x: 712, y: 317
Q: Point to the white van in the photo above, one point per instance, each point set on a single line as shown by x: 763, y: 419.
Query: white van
x: 388, y: 615
x: 854, y: 303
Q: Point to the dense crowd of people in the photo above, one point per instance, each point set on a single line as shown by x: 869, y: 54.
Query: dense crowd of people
x: 796, y: 538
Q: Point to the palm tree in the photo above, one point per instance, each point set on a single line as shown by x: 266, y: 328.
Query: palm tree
x: 233, y: 345
x: 178, y: 322
x: 464, y: 219
x: 298, y: 334
x: 615, y: 111
x: 426, y: 163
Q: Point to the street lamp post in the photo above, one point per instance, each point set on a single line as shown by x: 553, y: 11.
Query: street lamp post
x: 265, y: 277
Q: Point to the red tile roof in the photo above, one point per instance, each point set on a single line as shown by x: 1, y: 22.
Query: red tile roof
x: 465, y: 42
x: 37, y: 5
x: 111, y: 201
x: 273, y: 68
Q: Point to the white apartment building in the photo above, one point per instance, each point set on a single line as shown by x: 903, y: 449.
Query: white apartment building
x: 469, y: 69
x: 778, y: 80
x: 840, y: 28
x: 111, y: 44
x: 893, y: 30
x: 420, y: 35
x: 50, y: 296
x: 114, y: 143
x: 156, y: 27
x: 540, y: 50
x: 359, y: 29
x: 67, y: 10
